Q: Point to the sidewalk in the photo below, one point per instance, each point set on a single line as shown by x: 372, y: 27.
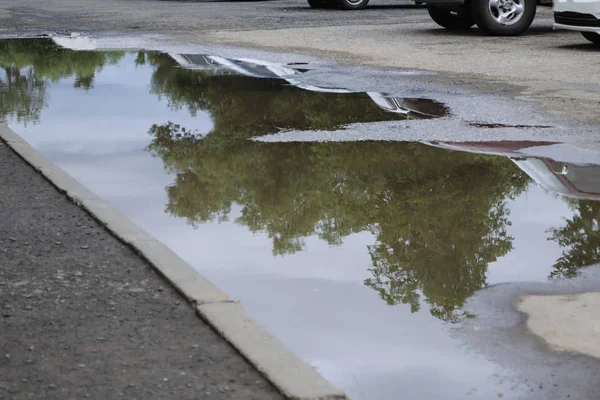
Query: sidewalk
x: 81, y: 316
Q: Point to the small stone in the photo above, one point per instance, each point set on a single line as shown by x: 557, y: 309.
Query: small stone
x: 31, y: 348
x: 7, y: 356
x: 52, y: 386
x: 189, y: 385
x: 27, y: 307
x: 58, y: 243
x: 85, y: 247
x: 24, y: 380
x: 100, y: 338
x: 194, y: 346
x: 166, y: 380
x: 177, y: 303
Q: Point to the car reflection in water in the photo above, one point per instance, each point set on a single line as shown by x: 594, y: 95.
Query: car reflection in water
x: 573, y: 176
x: 409, y: 107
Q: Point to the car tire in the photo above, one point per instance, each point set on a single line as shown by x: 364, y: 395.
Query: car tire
x: 451, y: 19
x: 322, y: 4
x: 503, y: 17
x: 592, y: 37
x: 352, y: 4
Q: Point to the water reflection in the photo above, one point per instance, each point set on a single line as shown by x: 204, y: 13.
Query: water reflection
x: 28, y: 66
x: 439, y: 218
x: 288, y: 74
x: 572, y: 178
x: 580, y: 236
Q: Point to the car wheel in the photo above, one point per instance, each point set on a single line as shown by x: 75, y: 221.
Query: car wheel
x: 352, y: 4
x: 322, y: 3
x: 451, y: 19
x: 592, y: 37
x: 503, y: 17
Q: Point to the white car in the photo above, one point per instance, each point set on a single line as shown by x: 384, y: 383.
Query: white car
x: 579, y: 15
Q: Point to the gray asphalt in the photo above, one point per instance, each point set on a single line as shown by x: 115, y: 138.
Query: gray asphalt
x: 191, y: 16
x: 81, y: 316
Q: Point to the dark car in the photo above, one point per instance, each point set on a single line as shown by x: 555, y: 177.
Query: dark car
x: 494, y: 17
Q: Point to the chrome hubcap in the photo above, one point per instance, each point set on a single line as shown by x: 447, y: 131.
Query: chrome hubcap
x: 506, y: 12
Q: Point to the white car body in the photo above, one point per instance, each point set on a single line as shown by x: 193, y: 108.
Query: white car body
x: 577, y: 15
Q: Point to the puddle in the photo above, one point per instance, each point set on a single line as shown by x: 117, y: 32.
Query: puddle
x: 359, y: 256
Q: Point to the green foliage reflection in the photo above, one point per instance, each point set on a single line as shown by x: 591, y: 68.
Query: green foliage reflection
x: 439, y: 217
x: 580, y: 239
x: 27, y: 65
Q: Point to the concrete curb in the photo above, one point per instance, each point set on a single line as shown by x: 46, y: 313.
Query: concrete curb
x: 286, y: 371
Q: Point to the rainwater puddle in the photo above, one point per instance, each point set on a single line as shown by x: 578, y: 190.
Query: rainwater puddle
x: 359, y: 256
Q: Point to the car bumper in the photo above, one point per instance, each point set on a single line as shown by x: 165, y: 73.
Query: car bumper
x: 579, y: 15
x: 577, y: 28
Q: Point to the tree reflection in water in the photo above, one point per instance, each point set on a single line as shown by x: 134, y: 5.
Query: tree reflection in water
x: 439, y: 217
x: 27, y: 66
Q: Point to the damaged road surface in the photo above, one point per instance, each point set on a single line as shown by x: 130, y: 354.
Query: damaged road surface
x: 359, y: 227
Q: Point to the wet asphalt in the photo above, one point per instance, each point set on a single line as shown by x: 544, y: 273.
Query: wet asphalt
x: 81, y: 316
